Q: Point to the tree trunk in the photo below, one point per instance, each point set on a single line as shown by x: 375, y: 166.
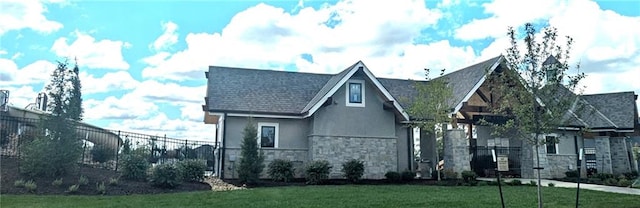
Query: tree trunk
x: 538, y: 171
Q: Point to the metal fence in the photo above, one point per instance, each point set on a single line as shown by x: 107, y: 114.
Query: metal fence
x: 104, y: 148
x: 482, y: 160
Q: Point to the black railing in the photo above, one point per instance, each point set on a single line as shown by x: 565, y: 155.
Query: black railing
x: 482, y: 160
x: 104, y: 148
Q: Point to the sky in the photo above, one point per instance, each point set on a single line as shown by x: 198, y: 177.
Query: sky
x: 142, y: 63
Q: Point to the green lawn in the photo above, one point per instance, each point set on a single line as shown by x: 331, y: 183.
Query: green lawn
x: 340, y: 196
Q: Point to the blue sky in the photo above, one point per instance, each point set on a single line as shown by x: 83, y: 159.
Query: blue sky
x: 142, y: 63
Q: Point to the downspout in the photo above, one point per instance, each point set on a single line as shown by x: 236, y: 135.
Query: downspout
x: 224, y: 146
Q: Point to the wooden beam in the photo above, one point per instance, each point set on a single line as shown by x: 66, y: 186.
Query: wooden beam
x: 482, y: 96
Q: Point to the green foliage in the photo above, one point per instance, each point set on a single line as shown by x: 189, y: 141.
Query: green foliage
x: 101, y: 188
x: 407, y: 175
x: 631, y: 175
x: 317, y: 172
x: 251, y: 159
x: 102, y: 153
x: 469, y: 177
x: 31, y: 186
x: 57, y: 182
x: 353, y: 170
x: 113, y: 181
x: 73, y: 189
x: 611, y: 182
x: 603, y: 176
x: 18, y: 183
x: 533, y: 183
x: 595, y: 181
x: 571, y: 174
x: 192, y: 170
x: 449, y: 174
x: 134, y: 166
x: 624, y: 182
x: 280, y: 170
x: 166, y: 176
x: 551, y: 184
x: 515, y: 182
x: 83, y: 180
x: 393, y: 177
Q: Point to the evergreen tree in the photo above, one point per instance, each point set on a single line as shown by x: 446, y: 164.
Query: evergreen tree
x: 252, y: 159
x: 74, y: 108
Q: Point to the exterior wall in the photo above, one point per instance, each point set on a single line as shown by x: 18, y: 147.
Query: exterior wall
x: 456, y: 151
x: 297, y: 156
x: 427, y: 153
x: 603, y: 154
x: 341, y: 120
x: 559, y: 164
x: 404, y: 148
x: 619, y: 155
x: 379, y: 154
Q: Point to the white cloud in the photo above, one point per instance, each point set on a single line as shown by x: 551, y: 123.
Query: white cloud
x: 127, y: 107
x: 21, y: 96
x: 20, y: 14
x: 120, y: 80
x: 35, y: 73
x: 160, y: 125
x: 92, y: 53
x: 168, y: 38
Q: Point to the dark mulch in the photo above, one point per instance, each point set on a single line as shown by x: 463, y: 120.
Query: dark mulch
x: 9, y: 173
x: 301, y: 182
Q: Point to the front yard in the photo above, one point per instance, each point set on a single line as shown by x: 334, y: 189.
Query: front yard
x: 339, y: 196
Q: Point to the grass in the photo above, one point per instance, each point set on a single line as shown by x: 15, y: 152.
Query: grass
x: 340, y: 196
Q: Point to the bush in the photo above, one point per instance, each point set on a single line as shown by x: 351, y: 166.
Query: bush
x: 134, y: 166
x: 73, y: 188
x: 533, y: 183
x: 571, y: 174
x: 18, y: 183
x: 57, y: 182
x: 166, y: 176
x: 83, y: 180
x: 624, y: 183
x: 353, y: 170
x: 30, y: 186
x: 515, y: 182
x: 251, y: 158
x: 192, y: 170
x: 101, y: 188
x: 611, y: 182
x: 469, y: 177
x: 393, y: 177
x: 280, y: 170
x: 551, y: 184
x: 631, y: 175
x: 449, y: 174
x: 407, y: 175
x: 595, y: 181
x: 101, y: 153
x: 604, y: 176
x: 113, y: 181
x: 317, y: 171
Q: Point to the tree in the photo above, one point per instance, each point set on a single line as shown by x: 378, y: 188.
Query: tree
x: 537, y: 92
x: 57, y: 150
x: 252, y: 159
x: 431, y: 107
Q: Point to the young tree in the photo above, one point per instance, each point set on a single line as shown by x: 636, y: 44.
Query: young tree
x: 59, y: 148
x: 431, y: 107
x: 537, y: 92
x: 252, y: 159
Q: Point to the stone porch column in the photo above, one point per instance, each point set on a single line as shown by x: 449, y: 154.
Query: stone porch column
x: 620, y: 162
x: 603, y: 154
x: 456, y: 151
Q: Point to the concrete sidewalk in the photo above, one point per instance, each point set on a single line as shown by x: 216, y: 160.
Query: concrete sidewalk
x: 545, y: 182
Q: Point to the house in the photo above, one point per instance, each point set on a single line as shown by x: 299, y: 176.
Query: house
x: 355, y: 115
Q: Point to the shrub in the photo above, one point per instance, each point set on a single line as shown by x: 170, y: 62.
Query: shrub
x: 30, y: 186
x: 113, y: 181
x: 83, y: 181
x: 533, y: 183
x: 18, y: 183
x: 631, y: 175
x: 317, y: 171
x: 101, y: 153
x: 604, y: 176
x: 101, y: 188
x: 571, y: 174
x: 280, y: 170
x: 353, y: 170
x: 449, y: 174
x: 57, y: 182
x: 192, y: 170
x: 73, y: 188
x: 251, y: 158
x: 624, y: 183
x: 611, y: 182
x: 515, y: 182
x: 393, y: 177
x: 407, y: 175
x: 595, y: 181
x: 166, y: 176
x: 134, y: 166
x: 469, y: 177
x: 551, y: 184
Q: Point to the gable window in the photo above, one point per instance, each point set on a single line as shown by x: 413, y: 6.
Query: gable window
x: 268, y: 135
x: 552, y: 144
x: 355, y: 93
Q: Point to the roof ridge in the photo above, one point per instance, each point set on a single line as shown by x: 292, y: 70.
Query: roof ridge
x: 327, y: 86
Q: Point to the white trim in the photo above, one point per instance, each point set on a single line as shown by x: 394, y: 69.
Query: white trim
x: 614, y: 130
x: 262, y: 115
x: 277, y: 134
x: 386, y: 93
x: 556, y: 144
x: 477, y: 86
x: 569, y: 128
x: 220, y: 127
x: 347, y: 93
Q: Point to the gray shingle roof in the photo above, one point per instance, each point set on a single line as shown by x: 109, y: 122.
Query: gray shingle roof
x: 618, y: 108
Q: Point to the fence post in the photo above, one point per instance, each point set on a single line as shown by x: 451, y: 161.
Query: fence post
x: 118, y: 151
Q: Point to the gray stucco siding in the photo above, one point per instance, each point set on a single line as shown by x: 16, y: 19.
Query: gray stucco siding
x: 338, y: 119
x: 292, y: 133
x: 405, y: 148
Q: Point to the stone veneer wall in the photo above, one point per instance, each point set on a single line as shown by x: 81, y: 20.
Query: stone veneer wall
x: 297, y: 156
x: 619, y: 155
x: 529, y: 161
x: 603, y: 154
x: 379, y: 154
x: 559, y: 164
x: 456, y: 151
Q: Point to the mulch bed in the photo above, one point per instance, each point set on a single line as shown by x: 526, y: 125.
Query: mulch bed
x: 9, y: 173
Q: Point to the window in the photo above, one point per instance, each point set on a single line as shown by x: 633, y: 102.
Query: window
x: 355, y: 93
x: 268, y: 135
x: 552, y: 144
